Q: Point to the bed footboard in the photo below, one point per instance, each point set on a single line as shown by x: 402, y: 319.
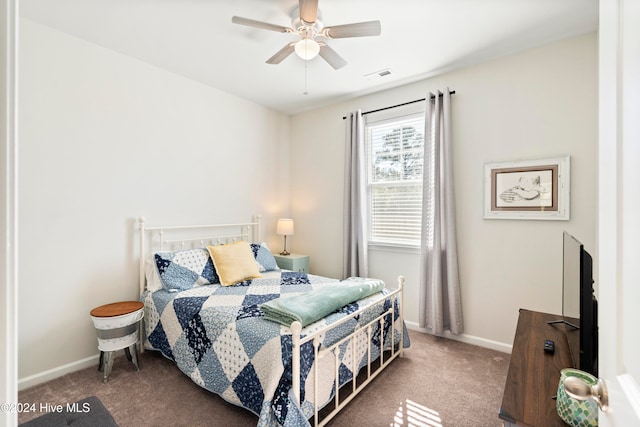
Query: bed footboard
x: 395, y: 351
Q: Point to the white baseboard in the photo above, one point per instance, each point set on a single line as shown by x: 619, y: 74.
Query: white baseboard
x: 469, y: 339
x: 42, y: 377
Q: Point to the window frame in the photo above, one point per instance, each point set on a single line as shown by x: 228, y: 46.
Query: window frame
x: 397, y: 115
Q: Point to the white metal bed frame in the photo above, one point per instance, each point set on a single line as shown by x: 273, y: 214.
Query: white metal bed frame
x: 163, y: 238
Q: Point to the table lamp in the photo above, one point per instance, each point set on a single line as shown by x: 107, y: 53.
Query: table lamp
x: 285, y: 228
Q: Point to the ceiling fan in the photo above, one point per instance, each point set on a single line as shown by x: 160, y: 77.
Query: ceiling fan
x: 313, y: 35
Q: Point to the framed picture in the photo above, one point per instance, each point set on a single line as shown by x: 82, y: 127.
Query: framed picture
x: 531, y: 189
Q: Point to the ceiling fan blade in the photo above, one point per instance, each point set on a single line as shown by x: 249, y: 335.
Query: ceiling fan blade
x: 259, y: 24
x: 282, y: 54
x: 359, y: 29
x: 308, y: 10
x: 331, y: 56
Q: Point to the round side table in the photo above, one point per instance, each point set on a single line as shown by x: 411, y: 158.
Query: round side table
x: 117, y: 328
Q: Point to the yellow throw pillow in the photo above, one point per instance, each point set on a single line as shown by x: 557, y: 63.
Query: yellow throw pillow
x: 234, y: 263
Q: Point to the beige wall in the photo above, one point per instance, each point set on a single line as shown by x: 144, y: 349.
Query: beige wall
x: 104, y: 139
x: 541, y: 103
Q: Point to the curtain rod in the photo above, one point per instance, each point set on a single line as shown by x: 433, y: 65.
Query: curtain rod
x: 399, y: 105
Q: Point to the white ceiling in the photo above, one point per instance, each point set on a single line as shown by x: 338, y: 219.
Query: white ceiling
x: 420, y: 38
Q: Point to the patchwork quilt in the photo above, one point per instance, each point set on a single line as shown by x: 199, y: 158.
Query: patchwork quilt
x: 219, y: 337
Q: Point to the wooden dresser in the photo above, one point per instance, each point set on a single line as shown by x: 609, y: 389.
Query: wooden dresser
x: 532, y: 380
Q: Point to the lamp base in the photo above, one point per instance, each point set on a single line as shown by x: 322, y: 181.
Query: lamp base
x: 284, y: 249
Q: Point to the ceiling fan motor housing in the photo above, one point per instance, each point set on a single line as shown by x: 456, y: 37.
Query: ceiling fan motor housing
x: 306, y: 21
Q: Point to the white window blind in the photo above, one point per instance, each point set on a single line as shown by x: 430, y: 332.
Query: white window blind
x: 395, y: 157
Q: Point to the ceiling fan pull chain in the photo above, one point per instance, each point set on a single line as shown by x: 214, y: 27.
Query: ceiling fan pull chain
x: 305, y: 78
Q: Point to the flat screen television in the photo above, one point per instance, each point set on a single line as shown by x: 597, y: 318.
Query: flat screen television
x: 579, y: 305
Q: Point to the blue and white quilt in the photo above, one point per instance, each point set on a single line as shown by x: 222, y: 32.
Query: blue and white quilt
x: 219, y: 338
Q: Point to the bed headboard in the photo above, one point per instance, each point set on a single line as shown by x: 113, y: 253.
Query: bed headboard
x: 176, y: 237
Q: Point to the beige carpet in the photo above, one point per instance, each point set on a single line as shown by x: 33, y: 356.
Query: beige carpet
x: 438, y: 383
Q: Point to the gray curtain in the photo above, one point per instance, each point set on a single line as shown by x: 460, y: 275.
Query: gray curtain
x: 355, y: 200
x: 440, y: 302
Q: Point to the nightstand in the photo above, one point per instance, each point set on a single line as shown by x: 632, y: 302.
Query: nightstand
x: 293, y: 262
x: 117, y: 328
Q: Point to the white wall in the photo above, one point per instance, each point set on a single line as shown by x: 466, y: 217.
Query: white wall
x: 104, y: 139
x: 537, y: 104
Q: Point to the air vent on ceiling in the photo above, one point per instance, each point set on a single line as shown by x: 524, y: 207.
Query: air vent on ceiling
x: 378, y: 74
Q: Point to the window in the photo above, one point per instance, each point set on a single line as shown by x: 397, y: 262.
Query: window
x: 395, y: 148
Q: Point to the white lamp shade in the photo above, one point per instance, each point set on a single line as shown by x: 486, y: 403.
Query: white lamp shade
x: 307, y: 48
x: 285, y: 227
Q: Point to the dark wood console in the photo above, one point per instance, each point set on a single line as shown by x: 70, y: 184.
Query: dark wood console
x: 532, y: 380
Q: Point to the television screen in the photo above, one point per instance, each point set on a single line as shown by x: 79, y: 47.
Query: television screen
x: 579, y: 305
x: 571, y: 254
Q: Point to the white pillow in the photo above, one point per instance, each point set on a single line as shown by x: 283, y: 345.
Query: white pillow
x: 151, y: 274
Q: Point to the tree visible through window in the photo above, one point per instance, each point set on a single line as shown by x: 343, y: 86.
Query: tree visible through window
x: 395, y: 162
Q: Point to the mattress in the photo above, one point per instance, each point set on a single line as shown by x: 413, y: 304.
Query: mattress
x: 219, y: 338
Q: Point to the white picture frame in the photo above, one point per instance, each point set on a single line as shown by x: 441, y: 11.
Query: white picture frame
x: 528, y: 189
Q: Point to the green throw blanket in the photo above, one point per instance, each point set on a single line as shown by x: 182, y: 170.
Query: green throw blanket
x: 314, y: 305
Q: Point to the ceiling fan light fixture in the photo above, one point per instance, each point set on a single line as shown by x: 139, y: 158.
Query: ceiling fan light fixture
x: 306, y: 21
x: 307, y: 49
